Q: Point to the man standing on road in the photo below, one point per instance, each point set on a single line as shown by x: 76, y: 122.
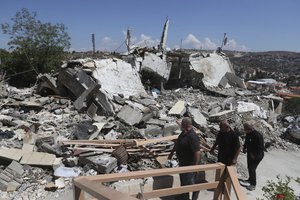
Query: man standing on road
x: 187, y: 149
x: 254, y: 146
x: 229, y: 144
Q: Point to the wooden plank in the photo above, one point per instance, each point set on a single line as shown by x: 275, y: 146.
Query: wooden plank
x: 117, y: 141
x: 179, y: 190
x: 104, y: 150
x: 235, y: 183
x: 226, y: 192
x: 154, y: 172
x: 99, y: 191
x: 78, y: 194
x: 155, y: 140
x: 220, y: 187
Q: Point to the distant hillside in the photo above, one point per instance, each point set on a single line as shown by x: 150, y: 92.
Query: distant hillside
x: 281, y: 65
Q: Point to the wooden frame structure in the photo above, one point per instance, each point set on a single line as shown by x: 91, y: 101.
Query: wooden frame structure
x: 226, y: 179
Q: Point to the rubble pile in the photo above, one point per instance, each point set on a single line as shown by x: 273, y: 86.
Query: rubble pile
x: 96, y: 117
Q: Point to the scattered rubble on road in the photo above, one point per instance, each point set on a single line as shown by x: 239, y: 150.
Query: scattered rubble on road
x: 101, y: 116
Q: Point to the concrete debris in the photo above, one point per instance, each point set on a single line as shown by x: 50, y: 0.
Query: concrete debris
x: 118, y: 77
x: 155, y: 64
x: 198, y: 118
x: 233, y: 80
x: 28, y: 157
x: 11, y: 177
x: 130, y: 115
x: 256, y: 110
x: 108, y: 115
x: 103, y: 163
x: 66, y: 172
x: 178, y: 109
x: 213, y: 67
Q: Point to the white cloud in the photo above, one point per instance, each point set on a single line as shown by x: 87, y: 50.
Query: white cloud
x: 192, y: 42
x: 233, y: 45
x: 208, y: 44
x: 145, y: 41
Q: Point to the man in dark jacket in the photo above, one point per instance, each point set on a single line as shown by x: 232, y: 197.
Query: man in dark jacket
x: 254, y: 146
x: 229, y: 144
x: 187, y: 149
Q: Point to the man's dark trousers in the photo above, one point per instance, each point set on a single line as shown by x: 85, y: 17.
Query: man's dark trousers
x: 190, y: 179
x: 252, y: 165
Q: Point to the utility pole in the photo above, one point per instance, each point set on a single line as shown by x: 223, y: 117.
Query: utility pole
x: 93, y: 42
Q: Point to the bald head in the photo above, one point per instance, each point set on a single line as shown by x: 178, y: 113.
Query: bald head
x: 248, y: 128
x: 224, y: 126
x: 186, y: 124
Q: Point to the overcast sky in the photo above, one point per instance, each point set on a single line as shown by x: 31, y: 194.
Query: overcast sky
x: 256, y: 25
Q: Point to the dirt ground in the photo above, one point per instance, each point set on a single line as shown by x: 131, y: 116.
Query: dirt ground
x: 275, y: 162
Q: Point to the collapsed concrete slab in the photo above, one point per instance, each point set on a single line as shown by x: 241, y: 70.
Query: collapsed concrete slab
x: 130, y: 115
x: 118, y: 77
x: 256, y: 110
x: 233, y: 80
x: 155, y: 64
x: 213, y: 67
x: 28, y: 157
x: 178, y: 109
x: 198, y: 118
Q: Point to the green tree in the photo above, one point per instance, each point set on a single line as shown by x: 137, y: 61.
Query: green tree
x: 35, y: 45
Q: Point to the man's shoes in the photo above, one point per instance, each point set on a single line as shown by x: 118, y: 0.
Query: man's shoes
x: 245, y: 184
x: 251, y: 187
x: 244, y: 180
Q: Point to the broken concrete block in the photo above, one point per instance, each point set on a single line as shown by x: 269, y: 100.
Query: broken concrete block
x: 16, y: 167
x: 66, y: 172
x: 198, y: 118
x: 37, y: 158
x: 119, y: 99
x: 81, y: 102
x: 155, y: 64
x: 10, y: 178
x: 102, y: 163
x: 226, y: 114
x: 51, y: 187
x: 112, y: 135
x: 147, y: 102
x: 170, y: 128
x: 11, y: 154
x: 46, y: 84
x: 152, y: 131
x: 130, y: 116
x: 12, y: 186
x: 92, y: 110
x: 178, y: 109
x: 118, y: 77
x: 157, y: 122
x: 213, y: 67
x: 60, y: 183
x: 234, y: 80
x: 256, y: 110
x: 223, y: 82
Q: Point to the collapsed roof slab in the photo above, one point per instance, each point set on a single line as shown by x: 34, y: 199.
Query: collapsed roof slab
x: 118, y: 77
x: 213, y: 67
x: 154, y: 63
